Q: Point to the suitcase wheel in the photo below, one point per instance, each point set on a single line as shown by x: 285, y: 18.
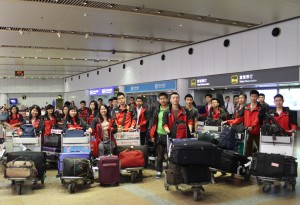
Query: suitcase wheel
x: 289, y: 186
x: 197, y: 194
x: 259, y: 182
x: 71, y: 187
x: 167, y: 187
x: 19, y: 189
x: 266, y: 188
x: 247, y: 175
x: 133, y: 177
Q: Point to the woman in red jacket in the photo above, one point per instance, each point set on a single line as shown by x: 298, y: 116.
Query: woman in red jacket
x: 35, y: 119
x: 49, y: 120
x: 14, y: 119
x: 61, y: 117
x: 93, y: 112
x: 104, y: 127
x: 73, y: 122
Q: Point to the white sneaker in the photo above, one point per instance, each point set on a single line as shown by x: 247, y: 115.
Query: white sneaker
x: 158, y: 175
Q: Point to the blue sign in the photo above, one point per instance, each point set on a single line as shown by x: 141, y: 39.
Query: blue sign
x: 151, y: 87
x: 102, y: 91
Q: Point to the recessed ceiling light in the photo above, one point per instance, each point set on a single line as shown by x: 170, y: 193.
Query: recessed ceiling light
x: 52, y: 31
x: 31, y: 77
x: 35, y: 57
x: 22, y: 57
x: 61, y: 77
x: 74, y: 58
x: 47, y: 77
x: 61, y: 58
x: 58, y: 34
x: 159, y: 39
x: 180, y: 25
x: 84, y: 14
x: 199, y: 18
x: 84, y: 2
x: 135, y: 9
x: 108, y: 60
x: 21, y: 32
x: 39, y: 77
x: 120, y: 60
x: 159, y: 12
x: 87, y: 36
x: 217, y: 20
x: 234, y: 23
x: 8, y: 28
x: 111, y: 5
x: 85, y: 59
x: 49, y: 58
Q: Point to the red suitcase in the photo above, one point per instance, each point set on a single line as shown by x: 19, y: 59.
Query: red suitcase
x: 109, y: 170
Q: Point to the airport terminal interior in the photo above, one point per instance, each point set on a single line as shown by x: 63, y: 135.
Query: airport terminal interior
x: 134, y: 102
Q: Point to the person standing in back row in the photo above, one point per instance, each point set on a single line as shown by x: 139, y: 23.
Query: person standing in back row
x: 193, y: 112
x: 229, y: 106
x: 157, y: 134
x: 83, y: 111
x: 124, y: 116
x: 208, y: 98
x: 142, y: 119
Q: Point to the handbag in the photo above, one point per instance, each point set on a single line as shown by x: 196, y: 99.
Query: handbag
x: 28, y: 130
x: 20, y: 169
x: 132, y: 158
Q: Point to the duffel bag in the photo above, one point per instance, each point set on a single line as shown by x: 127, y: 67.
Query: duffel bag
x: 132, y: 158
x: 53, y: 141
x: 20, y: 169
x: 74, y: 133
x: 228, y: 138
x: 142, y: 148
x: 208, y: 137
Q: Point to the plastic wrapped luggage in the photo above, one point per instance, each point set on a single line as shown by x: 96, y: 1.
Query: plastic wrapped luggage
x: 39, y: 159
x: 193, y: 152
x: 109, y: 170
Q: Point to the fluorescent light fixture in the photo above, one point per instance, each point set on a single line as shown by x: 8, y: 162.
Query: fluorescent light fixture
x: 21, y: 32
x: 58, y: 34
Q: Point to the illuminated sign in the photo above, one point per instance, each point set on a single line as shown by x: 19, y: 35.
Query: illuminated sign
x: 151, y: 87
x: 102, y: 91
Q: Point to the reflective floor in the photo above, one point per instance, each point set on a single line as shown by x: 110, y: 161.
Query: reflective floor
x: 225, y: 191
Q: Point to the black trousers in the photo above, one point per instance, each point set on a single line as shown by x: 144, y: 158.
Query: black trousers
x: 143, y: 137
x: 161, y: 148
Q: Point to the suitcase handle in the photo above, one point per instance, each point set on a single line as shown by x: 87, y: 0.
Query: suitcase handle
x: 254, y: 162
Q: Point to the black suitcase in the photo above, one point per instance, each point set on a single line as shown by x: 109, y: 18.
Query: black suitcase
x: 196, y: 174
x: 228, y: 138
x: 208, y: 137
x: 39, y: 159
x: 142, y: 148
x: 230, y: 161
x: 53, y: 140
x: 273, y: 165
x: 193, y: 152
x: 76, y: 167
x: 174, y: 176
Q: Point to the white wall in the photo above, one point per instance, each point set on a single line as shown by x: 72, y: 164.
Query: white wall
x: 250, y: 50
x: 3, y: 99
x: 41, y: 99
x: 77, y: 97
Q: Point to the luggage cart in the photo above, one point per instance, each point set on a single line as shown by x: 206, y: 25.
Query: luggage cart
x: 52, y: 152
x: 196, y: 188
x: 130, y: 139
x: 283, y: 145
x: 73, y: 182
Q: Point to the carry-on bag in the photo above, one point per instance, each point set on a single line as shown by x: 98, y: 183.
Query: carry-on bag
x: 228, y: 138
x: 62, y: 156
x: 193, y: 152
x: 109, y: 170
x: 39, y: 159
x: 74, y: 133
x: 53, y: 140
x: 142, y: 148
x: 174, y: 175
x: 20, y: 169
x: 28, y: 130
x: 76, y: 167
x: 132, y: 158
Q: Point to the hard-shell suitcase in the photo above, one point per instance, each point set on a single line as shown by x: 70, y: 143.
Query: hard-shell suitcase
x: 196, y: 174
x: 230, y: 161
x: 109, y: 170
x: 70, y: 155
x: 51, y: 153
x: 142, y: 148
x: 39, y: 159
x: 193, y: 152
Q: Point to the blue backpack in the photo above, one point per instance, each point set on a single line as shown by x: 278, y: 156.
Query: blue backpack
x: 28, y: 130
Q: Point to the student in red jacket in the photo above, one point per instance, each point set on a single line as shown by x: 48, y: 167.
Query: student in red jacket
x: 61, y: 117
x: 93, y: 112
x: 216, y: 114
x: 142, y: 119
x: 83, y: 111
x: 49, y: 120
x: 208, y: 98
x: 104, y: 127
x: 283, y: 115
x: 35, y: 119
x: 174, y: 114
x: 73, y: 121
x: 250, y: 118
x: 124, y: 116
x: 14, y: 119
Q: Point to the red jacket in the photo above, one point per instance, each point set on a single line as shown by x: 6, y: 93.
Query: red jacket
x: 249, y: 118
x: 83, y: 113
x: 48, y: 124
x: 97, y: 128
x: 284, y: 120
x: 90, y: 119
x: 14, y: 119
x: 206, y: 111
x: 169, y: 120
x: 118, y: 116
x: 143, y: 117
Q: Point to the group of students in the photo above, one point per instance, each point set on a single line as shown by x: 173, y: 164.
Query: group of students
x: 104, y: 121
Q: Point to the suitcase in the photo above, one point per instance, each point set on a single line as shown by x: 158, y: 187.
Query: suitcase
x: 132, y: 158
x: 39, y: 159
x: 70, y: 155
x: 174, y: 176
x: 230, y: 161
x: 142, y: 148
x: 109, y: 170
x: 74, y: 133
x: 53, y: 140
x: 193, y: 152
x: 208, y: 137
x: 51, y: 153
x: 273, y: 165
x: 196, y: 174
x: 20, y: 169
x: 228, y: 138
x: 76, y: 167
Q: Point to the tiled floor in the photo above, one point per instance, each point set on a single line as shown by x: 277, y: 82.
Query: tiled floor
x: 225, y: 191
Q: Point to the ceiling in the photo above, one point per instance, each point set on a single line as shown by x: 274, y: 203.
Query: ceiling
x: 60, y: 38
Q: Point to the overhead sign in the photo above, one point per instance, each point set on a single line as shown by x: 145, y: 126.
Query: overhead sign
x: 276, y: 75
x: 102, y: 91
x: 151, y: 87
x: 19, y: 73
